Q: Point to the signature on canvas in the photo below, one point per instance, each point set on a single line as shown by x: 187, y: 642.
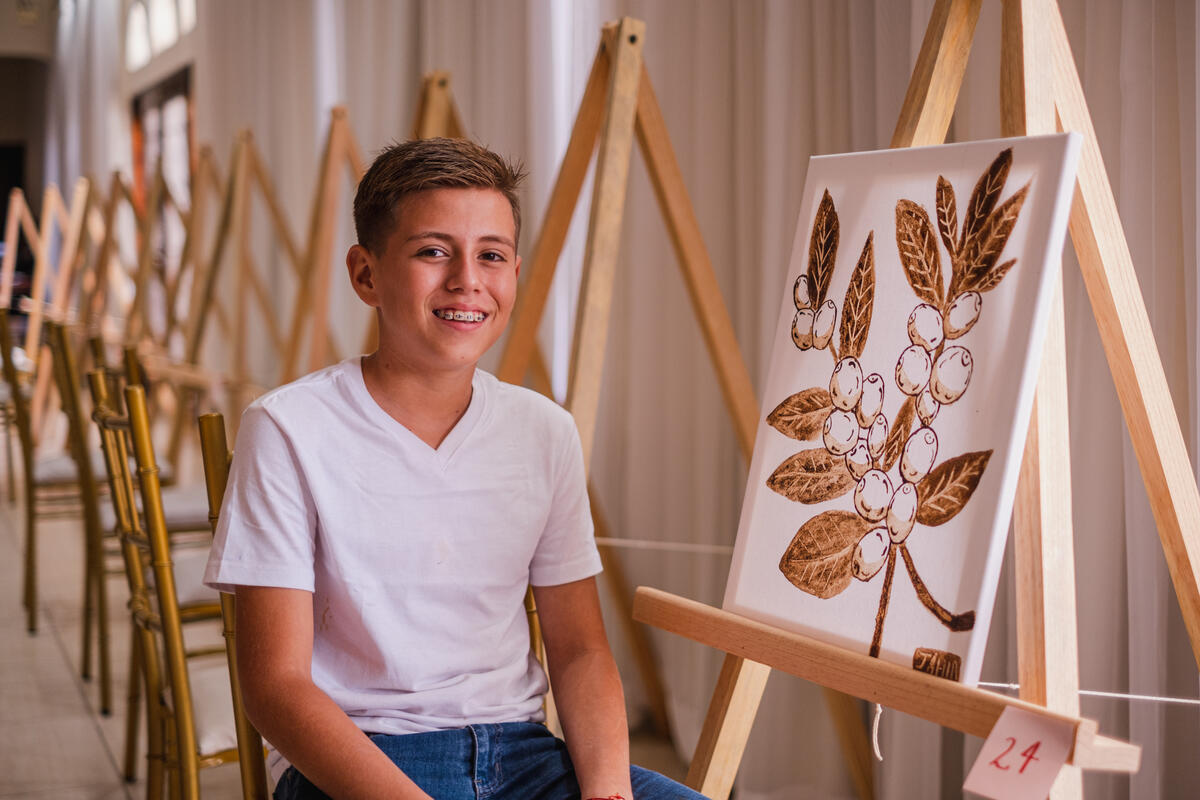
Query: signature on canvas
x: 861, y: 446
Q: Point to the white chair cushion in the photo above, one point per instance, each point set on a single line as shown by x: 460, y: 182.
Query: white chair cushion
x: 185, y: 508
x: 60, y: 468
x: 189, y: 563
x: 212, y: 704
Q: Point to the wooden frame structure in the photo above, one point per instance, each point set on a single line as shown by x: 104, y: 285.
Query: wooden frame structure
x: 618, y: 104
x: 53, y: 278
x: 1040, y: 92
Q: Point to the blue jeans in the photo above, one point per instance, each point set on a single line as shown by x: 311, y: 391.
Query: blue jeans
x: 517, y: 760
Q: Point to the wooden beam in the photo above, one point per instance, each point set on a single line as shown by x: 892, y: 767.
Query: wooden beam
x: 933, y: 90
x: 1047, y: 635
x: 521, y: 342
x: 938, y: 700
x: 1128, y: 340
x: 736, y: 698
x: 604, y: 231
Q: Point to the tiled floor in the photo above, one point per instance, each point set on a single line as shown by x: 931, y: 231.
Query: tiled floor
x: 53, y: 742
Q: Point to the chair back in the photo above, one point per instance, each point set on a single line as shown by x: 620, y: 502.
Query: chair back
x: 155, y: 527
x: 135, y: 549
x: 20, y: 403
x: 215, y: 450
x: 66, y: 379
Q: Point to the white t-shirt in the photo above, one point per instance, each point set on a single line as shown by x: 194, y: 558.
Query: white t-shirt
x: 417, y: 558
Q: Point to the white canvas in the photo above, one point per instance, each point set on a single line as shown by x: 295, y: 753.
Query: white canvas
x: 926, y: 273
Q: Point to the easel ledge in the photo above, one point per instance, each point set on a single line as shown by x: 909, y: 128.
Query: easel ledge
x: 938, y: 700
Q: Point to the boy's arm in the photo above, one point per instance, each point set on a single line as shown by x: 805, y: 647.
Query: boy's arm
x: 275, y: 637
x: 587, y: 688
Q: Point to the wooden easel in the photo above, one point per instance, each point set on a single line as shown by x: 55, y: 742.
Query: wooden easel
x: 437, y: 113
x: 115, y: 297
x: 52, y: 279
x: 618, y: 102
x: 1040, y: 92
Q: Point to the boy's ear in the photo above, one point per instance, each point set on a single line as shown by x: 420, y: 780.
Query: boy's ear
x: 361, y: 265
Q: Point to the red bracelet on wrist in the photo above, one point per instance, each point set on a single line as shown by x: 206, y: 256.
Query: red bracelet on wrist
x: 610, y: 797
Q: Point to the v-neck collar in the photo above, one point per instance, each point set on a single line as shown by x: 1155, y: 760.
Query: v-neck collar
x: 440, y: 456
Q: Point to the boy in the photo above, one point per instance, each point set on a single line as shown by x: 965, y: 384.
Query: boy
x: 385, y: 515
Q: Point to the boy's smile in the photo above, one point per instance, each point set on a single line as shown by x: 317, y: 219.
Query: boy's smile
x: 445, y: 283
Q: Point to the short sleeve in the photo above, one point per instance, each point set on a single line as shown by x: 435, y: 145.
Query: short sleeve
x: 567, y: 551
x: 267, y: 529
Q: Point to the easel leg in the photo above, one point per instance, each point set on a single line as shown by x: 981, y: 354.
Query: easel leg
x: 1047, y: 639
x: 1133, y: 358
x: 521, y: 343
x: 1047, y: 635
x: 604, y: 232
x: 731, y: 713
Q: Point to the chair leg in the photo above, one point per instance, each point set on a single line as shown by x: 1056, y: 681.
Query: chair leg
x: 89, y: 607
x: 8, y: 458
x: 30, y: 588
x: 102, y: 624
x: 156, y: 759
x: 174, y: 774
x: 133, y: 697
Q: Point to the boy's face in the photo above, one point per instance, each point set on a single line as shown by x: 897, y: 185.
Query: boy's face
x: 445, y: 283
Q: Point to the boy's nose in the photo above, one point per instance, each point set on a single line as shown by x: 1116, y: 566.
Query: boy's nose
x: 463, y: 275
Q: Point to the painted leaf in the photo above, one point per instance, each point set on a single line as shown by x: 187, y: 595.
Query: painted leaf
x: 802, y: 416
x: 919, y: 252
x: 984, y: 250
x: 822, y: 249
x: 859, y: 302
x: 820, y: 557
x: 947, y: 217
x: 983, y: 199
x: 811, y: 476
x: 993, y: 278
x: 948, y: 487
x: 898, y: 435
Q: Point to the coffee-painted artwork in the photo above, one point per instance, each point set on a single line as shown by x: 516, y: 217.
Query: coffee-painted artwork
x: 898, y: 397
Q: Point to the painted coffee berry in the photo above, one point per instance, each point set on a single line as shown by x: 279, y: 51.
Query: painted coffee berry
x: 800, y: 293
x: 912, y: 370
x: 951, y: 374
x: 872, y: 494
x: 802, y: 325
x: 902, y: 513
x: 823, y: 324
x: 925, y: 327
x: 919, y: 452
x: 870, y: 554
x: 871, y: 400
x: 877, y: 435
x: 841, y: 432
x: 963, y: 314
x: 927, y: 406
x: 858, y: 460
x: 846, y: 383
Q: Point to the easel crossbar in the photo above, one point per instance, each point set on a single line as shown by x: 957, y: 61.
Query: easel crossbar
x: 938, y: 700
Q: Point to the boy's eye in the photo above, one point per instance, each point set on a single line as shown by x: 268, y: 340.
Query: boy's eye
x: 492, y: 255
x: 431, y: 252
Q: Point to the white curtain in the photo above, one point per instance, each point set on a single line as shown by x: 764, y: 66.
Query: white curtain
x: 749, y: 91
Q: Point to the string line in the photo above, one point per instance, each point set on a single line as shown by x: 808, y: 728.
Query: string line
x: 1185, y: 701
x: 676, y: 547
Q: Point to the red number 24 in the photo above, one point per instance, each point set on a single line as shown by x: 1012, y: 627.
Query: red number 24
x: 1030, y: 754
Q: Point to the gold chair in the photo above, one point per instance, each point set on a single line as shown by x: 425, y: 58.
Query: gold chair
x: 51, y: 485
x: 216, y: 453
x: 186, y: 515
x: 95, y: 592
x: 188, y: 717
